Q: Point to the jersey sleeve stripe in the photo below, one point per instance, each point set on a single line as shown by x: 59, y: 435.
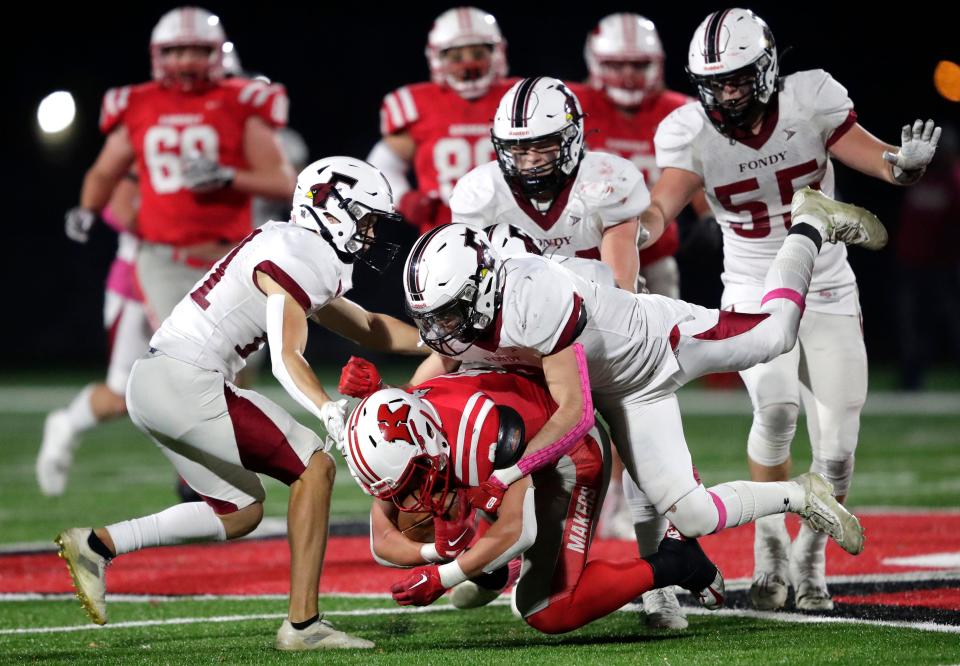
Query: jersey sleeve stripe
x: 844, y: 127
x: 573, y: 327
x: 288, y: 283
x: 475, y: 440
x: 462, y: 435
x: 408, y: 105
x: 393, y: 108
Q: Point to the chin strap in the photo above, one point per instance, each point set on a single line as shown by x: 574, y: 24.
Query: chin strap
x: 325, y: 234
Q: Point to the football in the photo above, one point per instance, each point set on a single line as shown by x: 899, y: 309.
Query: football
x: 419, y: 526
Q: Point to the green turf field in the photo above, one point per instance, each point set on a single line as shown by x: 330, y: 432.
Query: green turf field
x: 904, y: 460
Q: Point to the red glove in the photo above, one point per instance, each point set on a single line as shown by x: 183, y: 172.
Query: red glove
x: 451, y: 537
x: 419, y: 209
x: 488, y: 495
x: 421, y: 588
x: 359, y: 378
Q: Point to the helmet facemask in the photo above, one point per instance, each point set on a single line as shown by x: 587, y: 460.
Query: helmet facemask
x: 542, y: 180
x: 629, y: 82
x: 468, y: 69
x: 744, y: 112
x: 360, y: 223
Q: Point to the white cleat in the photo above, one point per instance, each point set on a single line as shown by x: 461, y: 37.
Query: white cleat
x: 470, y: 595
x: 823, y: 513
x: 320, y: 635
x: 663, y: 610
x: 87, y: 571
x: 808, y: 573
x: 768, y: 591
x: 843, y: 222
x: 771, y: 545
x: 56, y: 453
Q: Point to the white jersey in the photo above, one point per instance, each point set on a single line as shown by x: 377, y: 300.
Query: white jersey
x: 749, y: 183
x: 545, y: 308
x: 224, y: 317
x: 606, y: 191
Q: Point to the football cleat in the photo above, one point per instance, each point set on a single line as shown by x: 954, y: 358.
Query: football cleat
x: 469, y: 594
x: 768, y: 591
x: 663, y: 610
x: 56, y: 453
x: 823, y: 513
x: 808, y: 573
x: 87, y: 571
x: 321, y: 635
x: 843, y: 222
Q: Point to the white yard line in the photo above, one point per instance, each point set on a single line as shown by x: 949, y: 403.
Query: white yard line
x: 760, y: 615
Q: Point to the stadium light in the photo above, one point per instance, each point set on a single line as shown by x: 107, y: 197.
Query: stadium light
x: 56, y: 112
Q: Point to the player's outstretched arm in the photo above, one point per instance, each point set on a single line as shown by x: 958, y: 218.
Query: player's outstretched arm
x: 860, y: 150
x: 669, y: 195
x: 370, y: 330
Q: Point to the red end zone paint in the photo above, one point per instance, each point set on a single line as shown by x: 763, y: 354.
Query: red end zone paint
x: 261, y: 567
x: 945, y: 598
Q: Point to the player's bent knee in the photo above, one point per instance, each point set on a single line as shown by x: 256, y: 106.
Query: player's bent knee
x: 772, y: 433
x: 322, y: 467
x: 695, y: 515
x: 554, y: 620
x: 243, y: 521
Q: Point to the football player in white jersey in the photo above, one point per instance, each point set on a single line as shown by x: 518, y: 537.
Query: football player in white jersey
x: 751, y: 142
x: 218, y: 436
x: 574, y: 203
x: 634, y: 352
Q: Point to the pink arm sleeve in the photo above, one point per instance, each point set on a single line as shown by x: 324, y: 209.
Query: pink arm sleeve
x: 549, y: 455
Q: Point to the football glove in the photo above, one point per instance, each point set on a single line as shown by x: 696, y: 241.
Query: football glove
x: 917, y: 147
x: 359, y: 378
x: 201, y: 174
x: 78, y: 222
x: 421, y: 588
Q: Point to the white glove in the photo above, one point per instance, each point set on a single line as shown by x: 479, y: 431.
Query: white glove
x: 333, y: 415
x: 917, y: 147
x: 78, y: 222
x: 201, y: 174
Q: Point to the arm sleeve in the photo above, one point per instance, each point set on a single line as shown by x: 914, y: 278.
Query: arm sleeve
x: 268, y: 101
x: 114, y: 108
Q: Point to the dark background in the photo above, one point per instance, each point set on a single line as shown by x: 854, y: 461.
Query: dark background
x: 337, y: 62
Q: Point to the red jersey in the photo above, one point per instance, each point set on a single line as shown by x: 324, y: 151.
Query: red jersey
x: 452, y: 134
x: 466, y: 404
x: 164, y: 124
x: 610, y: 130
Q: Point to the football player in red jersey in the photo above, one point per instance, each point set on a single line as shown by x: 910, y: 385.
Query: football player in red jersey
x: 625, y: 101
x: 202, y: 144
x: 442, y: 128
x: 448, y: 436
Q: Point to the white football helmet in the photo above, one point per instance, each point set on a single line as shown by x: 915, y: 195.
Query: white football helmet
x: 510, y: 241
x: 395, y: 447
x: 534, y: 113
x: 465, y: 26
x: 187, y: 26
x: 616, y: 42
x: 453, y: 283
x: 733, y: 46
x: 342, y: 199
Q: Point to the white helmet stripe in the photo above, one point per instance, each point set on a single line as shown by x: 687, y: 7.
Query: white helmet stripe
x: 406, y: 102
x: 462, y: 435
x: 472, y: 451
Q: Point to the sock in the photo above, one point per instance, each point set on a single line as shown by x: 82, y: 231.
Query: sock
x: 80, y: 413
x: 98, y: 546
x: 183, y: 523
x: 788, y: 277
x: 745, y: 501
x: 300, y: 626
x: 771, y: 545
x: 649, y: 534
